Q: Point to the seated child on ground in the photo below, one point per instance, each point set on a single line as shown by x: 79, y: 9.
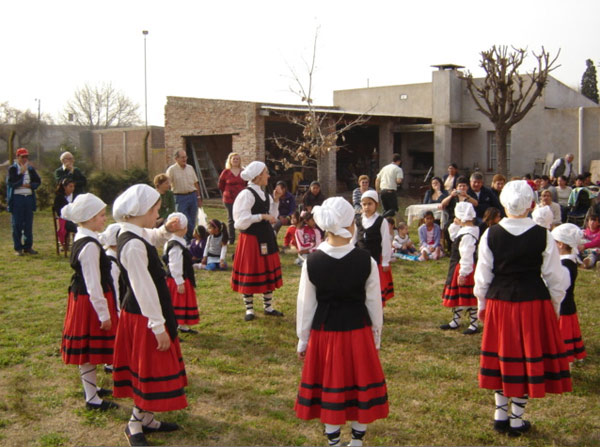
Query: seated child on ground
x: 430, y: 238
x: 402, y: 243
x: 308, y: 237
x: 198, y: 243
x: 215, y: 252
x: 289, y: 240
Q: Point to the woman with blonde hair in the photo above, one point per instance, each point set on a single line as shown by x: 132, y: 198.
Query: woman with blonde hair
x: 230, y: 185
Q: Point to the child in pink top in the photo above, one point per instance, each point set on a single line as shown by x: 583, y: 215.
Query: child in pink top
x: 290, y: 235
x: 308, y: 236
x: 591, y: 249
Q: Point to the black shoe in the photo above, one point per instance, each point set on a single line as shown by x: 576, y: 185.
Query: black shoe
x: 187, y: 331
x: 103, y: 392
x: 515, y: 432
x: 470, y: 331
x: 137, y: 439
x: 163, y: 427
x: 108, y: 369
x: 501, y: 426
x: 249, y: 317
x: 273, y: 313
x: 30, y: 251
x: 445, y: 327
x: 105, y: 405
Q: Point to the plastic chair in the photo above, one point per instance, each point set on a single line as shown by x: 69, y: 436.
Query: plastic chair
x: 61, y: 235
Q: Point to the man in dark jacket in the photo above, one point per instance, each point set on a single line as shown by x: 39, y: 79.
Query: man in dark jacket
x: 22, y: 181
x: 485, y: 197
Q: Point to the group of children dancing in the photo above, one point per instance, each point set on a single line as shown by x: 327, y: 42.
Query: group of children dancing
x: 125, y: 310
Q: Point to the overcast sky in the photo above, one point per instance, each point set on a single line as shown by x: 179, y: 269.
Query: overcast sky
x: 243, y: 50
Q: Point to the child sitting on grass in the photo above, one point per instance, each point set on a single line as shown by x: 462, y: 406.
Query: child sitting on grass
x: 198, y: 243
x: 215, y: 252
x: 308, y: 236
x: 402, y: 243
x: 289, y: 240
x: 430, y: 238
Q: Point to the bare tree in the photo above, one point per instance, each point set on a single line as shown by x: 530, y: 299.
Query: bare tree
x: 320, y: 132
x: 100, y: 107
x: 504, y: 95
x: 22, y: 124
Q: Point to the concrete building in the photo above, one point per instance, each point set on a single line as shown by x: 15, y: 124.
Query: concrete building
x: 430, y: 124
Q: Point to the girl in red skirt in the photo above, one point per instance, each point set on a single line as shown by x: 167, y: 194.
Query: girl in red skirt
x: 373, y: 235
x: 458, y: 291
x: 519, y: 283
x: 339, y: 320
x: 180, y: 277
x: 91, y: 319
x: 568, y: 237
x: 148, y: 365
x: 256, y: 265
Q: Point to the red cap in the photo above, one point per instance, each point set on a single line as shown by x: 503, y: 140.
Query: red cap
x: 22, y: 151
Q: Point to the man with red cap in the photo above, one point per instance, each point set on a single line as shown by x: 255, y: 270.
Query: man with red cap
x: 21, y: 183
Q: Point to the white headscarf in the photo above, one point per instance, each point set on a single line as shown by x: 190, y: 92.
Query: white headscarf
x: 569, y: 234
x: 371, y: 194
x: 334, y: 215
x: 83, y: 208
x: 182, y: 219
x: 135, y: 201
x: 464, y: 211
x: 108, y: 237
x: 253, y: 170
x: 516, y: 197
x: 543, y: 216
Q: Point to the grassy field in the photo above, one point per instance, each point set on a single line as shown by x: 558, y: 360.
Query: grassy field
x: 243, y: 376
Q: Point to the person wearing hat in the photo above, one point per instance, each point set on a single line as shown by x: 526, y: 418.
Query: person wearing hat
x: 256, y: 264
x: 148, y: 365
x: 22, y: 181
x: 68, y: 171
x: 458, y: 291
x: 339, y: 318
x: 373, y: 235
x: 568, y: 236
x: 108, y: 239
x: 519, y: 285
x: 313, y: 197
x: 91, y: 320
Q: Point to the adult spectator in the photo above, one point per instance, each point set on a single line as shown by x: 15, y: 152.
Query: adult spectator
x: 484, y: 196
x: 546, y: 200
x: 363, y: 186
x: 21, y: 184
x: 185, y: 186
x: 546, y: 184
x: 387, y: 181
x: 562, y: 166
x: 230, y: 185
x: 287, y: 205
x: 68, y: 170
x: 498, y: 182
x: 579, y: 200
x: 64, y: 195
x: 563, y: 192
x: 167, y: 199
x: 436, y: 193
x: 313, y: 196
x: 451, y: 177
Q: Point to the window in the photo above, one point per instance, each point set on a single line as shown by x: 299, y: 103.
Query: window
x: 492, y: 152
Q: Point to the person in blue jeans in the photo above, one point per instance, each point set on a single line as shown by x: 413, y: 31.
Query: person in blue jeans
x: 22, y: 181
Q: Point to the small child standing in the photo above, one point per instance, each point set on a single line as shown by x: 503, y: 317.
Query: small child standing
x: 215, y: 252
x: 402, y: 243
x: 308, y: 236
x: 108, y: 238
x: 181, y: 278
x: 289, y: 240
x: 373, y: 235
x: 430, y: 238
x: 338, y: 322
x: 91, y: 319
x: 458, y: 291
x: 198, y: 243
x: 568, y: 237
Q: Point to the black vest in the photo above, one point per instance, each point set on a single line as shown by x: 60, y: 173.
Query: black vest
x: 129, y: 301
x: 262, y: 230
x: 122, y: 286
x: 455, y: 256
x: 517, y: 264
x: 188, y: 269
x: 77, y: 282
x: 370, y: 239
x: 567, y: 307
x: 340, y: 285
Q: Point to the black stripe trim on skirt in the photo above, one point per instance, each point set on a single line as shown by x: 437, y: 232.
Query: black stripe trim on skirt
x: 524, y: 359
x: 88, y: 337
x: 88, y: 350
x: 261, y: 283
x: 266, y: 272
x: 181, y: 373
x: 340, y: 406
x: 185, y: 308
x: 576, y: 351
x: 344, y: 389
x: 151, y: 396
x: 449, y: 287
x: 457, y: 296
x: 526, y: 379
x: 573, y: 340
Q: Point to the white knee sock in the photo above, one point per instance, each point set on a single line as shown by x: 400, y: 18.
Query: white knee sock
x: 472, y: 317
x: 249, y: 303
x: 267, y: 298
x: 87, y: 372
x: 455, y: 317
x: 501, y: 413
x: 333, y: 434
x: 358, y: 433
x: 517, y: 409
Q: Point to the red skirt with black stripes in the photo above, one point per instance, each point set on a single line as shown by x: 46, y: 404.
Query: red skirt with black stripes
x: 522, y: 351
x: 154, y: 379
x: 185, y: 304
x: 83, y: 341
x: 571, y: 334
x: 386, y: 283
x: 253, y: 272
x: 460, y: 296
x: 342, y: 379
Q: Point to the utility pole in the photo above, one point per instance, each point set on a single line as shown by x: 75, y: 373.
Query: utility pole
x: 39, y: 118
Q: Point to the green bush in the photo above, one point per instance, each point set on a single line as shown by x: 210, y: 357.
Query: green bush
x: 108, y: 185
